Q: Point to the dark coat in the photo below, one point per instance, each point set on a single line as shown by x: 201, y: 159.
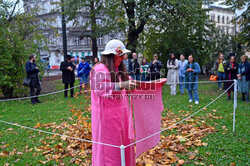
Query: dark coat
x: 155, y: 70
x: 67, y: 75
x: 231, y: 74
x: 247, y: 70
x: 32, y: 72
x: 136, y: 66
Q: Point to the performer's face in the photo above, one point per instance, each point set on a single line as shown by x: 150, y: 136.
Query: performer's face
x: 118, y: 60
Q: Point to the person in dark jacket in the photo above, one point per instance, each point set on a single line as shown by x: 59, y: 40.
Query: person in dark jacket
x: 155, y: 68
x: 32, y: 74
x: 135, y: 74
x: 231, y: 70
x: 68, y: 75
x: 244, y: 78
x: 83, y: 71
x: 127, y: 63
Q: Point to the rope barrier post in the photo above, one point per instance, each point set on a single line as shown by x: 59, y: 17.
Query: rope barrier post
x: 235, y: 103
x: 122, y: 155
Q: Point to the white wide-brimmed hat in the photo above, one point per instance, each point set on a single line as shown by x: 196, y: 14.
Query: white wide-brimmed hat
x: 115, y: 47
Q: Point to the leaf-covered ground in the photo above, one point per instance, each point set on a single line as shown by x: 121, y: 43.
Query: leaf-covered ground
x: 206, y: 139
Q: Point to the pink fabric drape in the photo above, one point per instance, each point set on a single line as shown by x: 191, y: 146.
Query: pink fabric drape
x: 111, y: 120
x: 147, y: 114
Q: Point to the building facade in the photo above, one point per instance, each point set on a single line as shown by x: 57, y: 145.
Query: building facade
x: 78, y: 37
x: 222, y: 17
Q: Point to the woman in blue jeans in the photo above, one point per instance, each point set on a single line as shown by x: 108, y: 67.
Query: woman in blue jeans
x: 192, y: 69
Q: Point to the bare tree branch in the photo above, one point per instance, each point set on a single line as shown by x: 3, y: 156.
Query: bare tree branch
x: 13, y: 10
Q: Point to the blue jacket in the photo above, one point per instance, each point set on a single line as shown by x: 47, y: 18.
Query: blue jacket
x: 192, y: 76
x: 181, y: 67
x: 83, y: 68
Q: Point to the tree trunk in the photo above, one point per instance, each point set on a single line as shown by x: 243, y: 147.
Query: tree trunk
x: 132, y: 35
x: 135, y: 30
x: 64, y: 35
x: 93, y: 28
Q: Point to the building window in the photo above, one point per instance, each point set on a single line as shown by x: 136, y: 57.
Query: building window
x: 77, y: 40
x: 213, y: 17
x: 223, y: 19
x: 218, y: 19
x: 88, y: 41
x: 227, y: 30
x: 100, y: 40
x: 228, y: 20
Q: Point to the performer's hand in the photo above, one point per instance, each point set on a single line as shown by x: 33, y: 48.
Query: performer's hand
x: 129, y: 85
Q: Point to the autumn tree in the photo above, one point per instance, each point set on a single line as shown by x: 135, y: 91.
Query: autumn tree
x: 19, y: 37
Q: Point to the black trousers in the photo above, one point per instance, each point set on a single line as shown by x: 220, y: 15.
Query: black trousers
x: 155, y: 76
x: 66, y: 86
x: 35, y: 89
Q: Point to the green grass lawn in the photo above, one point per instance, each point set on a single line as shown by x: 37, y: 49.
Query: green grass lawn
x: 224, y: 146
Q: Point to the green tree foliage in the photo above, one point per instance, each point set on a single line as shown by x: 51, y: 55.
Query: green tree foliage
x: 19, y: 37
x: 180, y: 27
x: 243, y: 20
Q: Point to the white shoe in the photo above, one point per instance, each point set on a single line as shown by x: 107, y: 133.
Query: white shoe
x: 190, y: 101
x: 196, y: 102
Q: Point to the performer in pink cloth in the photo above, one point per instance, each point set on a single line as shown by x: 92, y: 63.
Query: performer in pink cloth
x: 112, y: 121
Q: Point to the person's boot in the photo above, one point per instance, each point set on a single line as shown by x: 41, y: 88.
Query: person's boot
x: 37, y: 100
x: 229, y: 97
x: 65, y: 93
x: 33, y: 101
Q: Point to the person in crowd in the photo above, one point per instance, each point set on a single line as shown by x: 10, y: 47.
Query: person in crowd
x: 231, y: 70
x: 181, y: 64
x: 145, y: 70
x: 173, y: 76
x: 127, y: 63
x: 68, y: 75
x: 83, y: 71
x: 192, y: 69
x: 32, y: 74
x: 135, y: 67
x: 110, y: 116
x: 244, y: 78
x: 220, y: 65
x: 96, y: 60
x: 155, y: 68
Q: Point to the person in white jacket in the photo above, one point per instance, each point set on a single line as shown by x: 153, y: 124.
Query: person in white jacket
x: 173, y: 75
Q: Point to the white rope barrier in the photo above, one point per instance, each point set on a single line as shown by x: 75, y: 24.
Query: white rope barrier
x: 200, y: 82
x: 181, y: 120
x: 47, y: 132
x: 47, y: 94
